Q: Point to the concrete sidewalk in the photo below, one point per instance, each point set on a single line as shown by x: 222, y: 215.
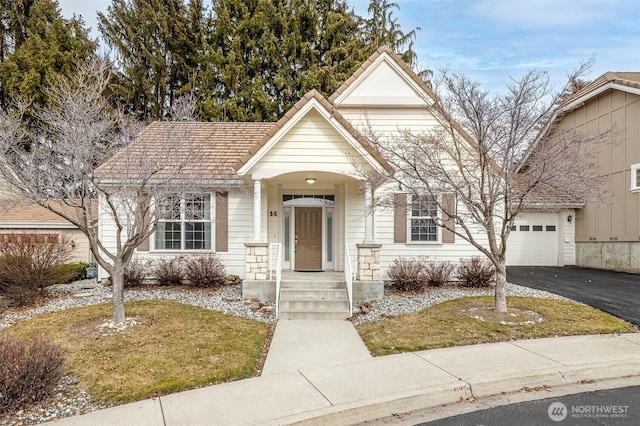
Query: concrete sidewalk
x: 349, y: 391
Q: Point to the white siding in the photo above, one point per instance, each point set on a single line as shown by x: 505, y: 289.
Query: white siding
x: 569, y: 234
x: 439, y: 252
x: 240, y: 205
x: 311, y: 145
x: 385, y: 83
x: 240, y: 232
x: 388, y: 121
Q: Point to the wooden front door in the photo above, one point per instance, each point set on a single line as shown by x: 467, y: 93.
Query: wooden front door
x: 308, y: 239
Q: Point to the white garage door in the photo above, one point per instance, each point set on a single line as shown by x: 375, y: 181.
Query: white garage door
x: 534, y: 240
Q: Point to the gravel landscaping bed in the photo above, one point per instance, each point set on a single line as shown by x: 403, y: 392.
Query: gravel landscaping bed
x: 396, y: 303
x: 70, y: 400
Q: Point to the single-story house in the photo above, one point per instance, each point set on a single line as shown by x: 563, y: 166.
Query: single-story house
x: 308, y: 198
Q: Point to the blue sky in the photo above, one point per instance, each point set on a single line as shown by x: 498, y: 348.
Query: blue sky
x: 493, y: 40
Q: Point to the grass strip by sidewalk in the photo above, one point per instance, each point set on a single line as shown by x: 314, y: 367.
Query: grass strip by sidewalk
x: 450, y: 324
x: 174, y: 347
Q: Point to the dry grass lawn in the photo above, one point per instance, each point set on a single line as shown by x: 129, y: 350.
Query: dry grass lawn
x: 174, y: 347
x: 452, y: 323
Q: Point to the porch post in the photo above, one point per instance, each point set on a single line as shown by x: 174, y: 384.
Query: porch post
x: 257, y: 209
x: 368, y: 213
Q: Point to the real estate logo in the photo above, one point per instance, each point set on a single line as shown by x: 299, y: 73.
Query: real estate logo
x: 557, y: 411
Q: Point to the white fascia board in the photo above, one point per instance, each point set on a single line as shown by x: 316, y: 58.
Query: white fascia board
x: 596, y: 92
x: 384, y: 57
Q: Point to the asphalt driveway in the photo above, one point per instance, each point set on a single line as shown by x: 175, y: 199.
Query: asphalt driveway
x: 617, y: 293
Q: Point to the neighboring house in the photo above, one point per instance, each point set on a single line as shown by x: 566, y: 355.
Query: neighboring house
x: 309, y: 195
x: 608, y: 236
x: 17, y: 217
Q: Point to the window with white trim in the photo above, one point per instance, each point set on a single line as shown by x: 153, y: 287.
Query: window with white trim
x: 185, y: 223
x: 635, y: 177
x: 422, y: 219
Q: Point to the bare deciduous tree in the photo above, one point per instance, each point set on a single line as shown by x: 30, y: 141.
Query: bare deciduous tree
x: 497, y: 154
x: 58, y: 166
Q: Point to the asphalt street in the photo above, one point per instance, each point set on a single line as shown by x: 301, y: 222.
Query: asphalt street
x: 605, y: 407
x: 617, y: 293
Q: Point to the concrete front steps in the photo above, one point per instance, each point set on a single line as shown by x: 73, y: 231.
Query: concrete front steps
x: 313, y: 300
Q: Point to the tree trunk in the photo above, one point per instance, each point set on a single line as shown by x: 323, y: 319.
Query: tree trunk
x: 501, y: 288
x: 117, y: 279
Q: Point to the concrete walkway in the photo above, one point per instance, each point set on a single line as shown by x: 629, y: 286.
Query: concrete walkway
x: 305, y: 344
x: 352, y: 388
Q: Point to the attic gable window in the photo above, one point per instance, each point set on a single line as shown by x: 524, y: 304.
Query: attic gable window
x: 185, y: 223
x: 422, y: 219
x: 635, y: 177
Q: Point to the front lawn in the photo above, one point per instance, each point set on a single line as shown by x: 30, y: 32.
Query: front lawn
x: 470, y: 320
x: 173, y: 347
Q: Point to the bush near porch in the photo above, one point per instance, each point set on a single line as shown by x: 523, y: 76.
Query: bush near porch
x: 416, y: 273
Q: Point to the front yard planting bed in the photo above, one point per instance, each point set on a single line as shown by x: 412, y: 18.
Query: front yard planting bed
x: 455, y: 323
x: 172, y: 347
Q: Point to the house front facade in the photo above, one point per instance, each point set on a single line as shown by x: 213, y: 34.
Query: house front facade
x: 298, y: 194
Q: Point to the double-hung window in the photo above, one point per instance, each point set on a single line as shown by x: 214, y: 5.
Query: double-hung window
x: 635, y: 177
x: 422, y: 216
x: 185, y: 223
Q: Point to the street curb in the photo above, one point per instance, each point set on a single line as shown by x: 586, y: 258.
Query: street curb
x: 567, y: 378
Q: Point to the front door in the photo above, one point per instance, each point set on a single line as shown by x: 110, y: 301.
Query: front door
x: 308, y: 239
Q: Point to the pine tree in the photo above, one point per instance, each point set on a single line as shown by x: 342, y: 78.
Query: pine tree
x: 157, y: 45
x: 36, y: 46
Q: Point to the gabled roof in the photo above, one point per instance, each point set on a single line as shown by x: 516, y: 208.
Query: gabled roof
x: 314, y: 99
x: 369, y: 62
x: 207, y: 150
x: 624, y: 81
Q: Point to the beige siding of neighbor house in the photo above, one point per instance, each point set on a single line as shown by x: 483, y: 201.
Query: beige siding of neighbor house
x: 80, y: 251
x: 608, y: 236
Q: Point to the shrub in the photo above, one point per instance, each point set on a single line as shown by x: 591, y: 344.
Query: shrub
x: 476, y: 272
x: 407, y: 274
x: 169, y: 271
x: 79, y: 270
x: 134, y: 274
x: 31, y: 262
x: 204, y: 271
x: 30, y: 369
x: 438, y: 274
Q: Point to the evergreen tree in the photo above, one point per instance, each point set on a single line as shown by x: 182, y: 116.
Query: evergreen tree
x: 37, y: 45
x: 158, y: 47
x: 265, y: 54
x: 383, y: 29
x: 244, y: 60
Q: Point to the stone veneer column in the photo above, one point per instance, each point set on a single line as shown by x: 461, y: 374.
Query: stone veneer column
x: 368, y: 262
x: 257, y: 262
